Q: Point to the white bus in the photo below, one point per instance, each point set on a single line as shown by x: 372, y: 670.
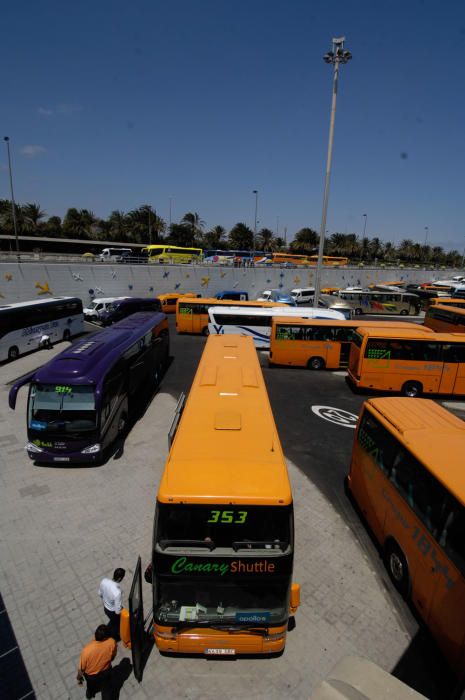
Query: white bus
x: 256, y: 322
x: 377, y: 302
x: 24, y: 324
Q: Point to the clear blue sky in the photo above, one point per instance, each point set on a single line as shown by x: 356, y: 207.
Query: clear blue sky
x: 110, y: 105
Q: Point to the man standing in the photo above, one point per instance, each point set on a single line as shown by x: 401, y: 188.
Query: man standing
x: 95, y: 664
x: 110, y: 593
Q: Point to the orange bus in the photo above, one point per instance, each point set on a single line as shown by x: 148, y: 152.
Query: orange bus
x: 331, y: 260
x: 407, y: 361
x: 447, y: 301
x: 168, y: 301
x: 192, y: 314
x: 223, y: 542
x: 407, y: 477
x: 445, y: 319
x: 320, y: 344
x: 291, y: 258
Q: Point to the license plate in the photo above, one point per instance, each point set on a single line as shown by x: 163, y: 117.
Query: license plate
x: 61, y: 459
x: 220, y: 652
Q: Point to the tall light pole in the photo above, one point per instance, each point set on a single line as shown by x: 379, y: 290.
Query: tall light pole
x: 426, y: 235
x: 255, y: 192
x: 364, y: 231
x: 335, y: 57
x: 13, y: 206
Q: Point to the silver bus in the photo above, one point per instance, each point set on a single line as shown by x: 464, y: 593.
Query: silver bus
x: 377, y: 302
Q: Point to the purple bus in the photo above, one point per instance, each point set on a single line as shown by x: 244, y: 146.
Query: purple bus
x: 80, y: 401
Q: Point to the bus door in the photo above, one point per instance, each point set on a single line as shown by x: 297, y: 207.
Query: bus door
x: 453, y: 372
x: 141, y: 641
x: 344, y: 338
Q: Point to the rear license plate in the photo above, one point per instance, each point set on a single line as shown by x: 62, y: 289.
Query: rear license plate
x: 61, y: 459
x: 220, y: 652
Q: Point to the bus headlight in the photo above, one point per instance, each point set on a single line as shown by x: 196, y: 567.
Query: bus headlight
x: 167, y: 635
x: 30, y: 447
x: 274, y: 637
x: 91, y: 450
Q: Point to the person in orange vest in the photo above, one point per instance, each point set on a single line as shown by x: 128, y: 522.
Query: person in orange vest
x: 95, y: 664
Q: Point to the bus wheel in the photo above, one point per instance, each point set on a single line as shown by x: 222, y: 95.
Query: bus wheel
x: 67, y: 334
x: 412, y: 389
x: 397, y: 567
x: 316, y: 363
x: 404, y: 312
x: 13, y: 353
x: 358, y: 312
x: 122, y: 423
x: 205, y: 331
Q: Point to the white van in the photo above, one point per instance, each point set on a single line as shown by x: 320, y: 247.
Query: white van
x: 96, y: 306
x: 303, y: 295
x: 115, y: 254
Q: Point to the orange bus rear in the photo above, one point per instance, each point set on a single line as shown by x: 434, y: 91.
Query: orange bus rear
x: 320, y: 344
x: 445, y: 319
x: 408, y: 361
x: 407, y: 477
x: 192, y: 314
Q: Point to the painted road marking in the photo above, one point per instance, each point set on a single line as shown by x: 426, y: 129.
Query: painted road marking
x: 336, y: 415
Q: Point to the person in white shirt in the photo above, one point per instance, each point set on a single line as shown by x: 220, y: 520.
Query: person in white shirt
x: 111, y: 595
x: 45, y: 342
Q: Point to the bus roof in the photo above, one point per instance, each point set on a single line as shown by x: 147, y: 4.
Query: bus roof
x: 212, y: 301
x: 85, y: 362
x: 448, y: 309
x: 35, y: 302
x: 299, y: 312
x: 353, y: 323
x: 433, y: 434
x: 412, y: 333
x: 227, y: 448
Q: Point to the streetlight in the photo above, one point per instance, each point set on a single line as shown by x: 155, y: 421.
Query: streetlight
x: 364, y: 231
x: 426, y: 235
x: 335, y: 57
x: 13, y: 206
x: 255, y: 192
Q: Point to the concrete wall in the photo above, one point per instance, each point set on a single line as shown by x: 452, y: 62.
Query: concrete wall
x: 22, y: 282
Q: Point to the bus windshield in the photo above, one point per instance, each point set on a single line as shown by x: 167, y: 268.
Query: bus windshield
x: 223, y: 525
x: 54, y: 408
x: 223, y: 602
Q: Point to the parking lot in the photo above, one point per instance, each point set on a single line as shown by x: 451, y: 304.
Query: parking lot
x: 63, y: 529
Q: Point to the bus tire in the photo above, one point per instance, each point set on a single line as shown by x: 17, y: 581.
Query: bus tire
x: 67, y: 334
x: 122, y: 424
x: 316, y: 363
x: 205, y: 331
x: 358, y: 312
x: 412, y: 389
x: 397, y: 567
x: 13, y: 353
x: 404, y: 312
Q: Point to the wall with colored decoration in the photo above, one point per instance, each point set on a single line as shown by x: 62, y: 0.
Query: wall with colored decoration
x: 25, y: 281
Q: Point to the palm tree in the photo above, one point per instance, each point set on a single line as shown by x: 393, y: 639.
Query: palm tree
x: 117, y: 225
x: 32, y: 216
x: 241, y: 237
x: 305, y: 241
x: 52, y: 227
x: 265, y: 239
x: 212, y: 239
x: 79, y: 222
x: 180, y: 235
x: 196, y: 224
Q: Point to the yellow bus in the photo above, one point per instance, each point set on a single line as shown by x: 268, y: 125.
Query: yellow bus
x: 168, y: 300
x: 223, y: 540
x: 330, y: 260
x: 407, y: 361
x: 407, y: 478
x: 287, y: 258
x: 447, y: 301
x: 320, y: 344
x: 445, y: 319
x: 192, y: 314
x: 167, y: 253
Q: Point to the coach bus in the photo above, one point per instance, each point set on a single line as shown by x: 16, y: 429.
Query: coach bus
x: 318, y: 344
x: 223, y: 543
x: 445, y: 319
x: 329, y: 260
x: 192, y: 314
x: 256, y: 323
x: 173, y: 254
x: 23, y: 324
x: 406, y: 476
x: 447, y: 301
x: 376, y: 302
x: 82, y: 399
x: 407, y: 361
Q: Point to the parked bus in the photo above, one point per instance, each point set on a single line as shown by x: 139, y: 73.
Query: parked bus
x: 447, y: 301
x: 256, y: 323
x: 168, y: 301
x: 192, y: 314
x: 376, y: 302
x: 223, y: 543
x: 23, y: 324
x: 319, y: 344
x: 445, y: 319
x: 408, y: 361
x: 406, y: 475
x: 173, y: 254
x: 81, y: 400
x: 329, y: 260
x: 285, y: 258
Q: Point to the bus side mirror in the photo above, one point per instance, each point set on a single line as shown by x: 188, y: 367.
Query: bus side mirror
x: 295, y: 598
x: 124, y: 628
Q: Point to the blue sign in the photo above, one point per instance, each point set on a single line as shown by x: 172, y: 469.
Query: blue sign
x: 254, y: 618
x: 38, y: 425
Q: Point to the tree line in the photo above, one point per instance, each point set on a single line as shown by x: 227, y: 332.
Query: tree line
x: 143, y: 225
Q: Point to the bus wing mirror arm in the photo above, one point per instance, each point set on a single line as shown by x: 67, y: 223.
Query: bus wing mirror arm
x: 295, y: 598
x: 17, y: 386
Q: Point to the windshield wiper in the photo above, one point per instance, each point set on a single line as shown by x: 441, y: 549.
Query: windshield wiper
x: 260, y: 544
x: 221, y: 628
x: 186, y: 543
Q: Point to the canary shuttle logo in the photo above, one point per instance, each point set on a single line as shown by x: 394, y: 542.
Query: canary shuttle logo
x: 182, y: 565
